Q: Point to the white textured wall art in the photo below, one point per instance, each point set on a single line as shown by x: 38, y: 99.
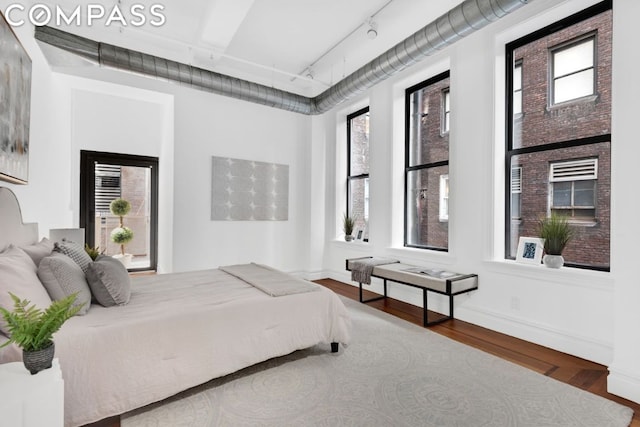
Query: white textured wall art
x: 244, y: 190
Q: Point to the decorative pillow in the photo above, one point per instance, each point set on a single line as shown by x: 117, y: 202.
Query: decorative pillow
x: 109, y: 281
x: 61, y: 277
x: 40, y: 250
x: 18, y: 276
x: 75, y: 251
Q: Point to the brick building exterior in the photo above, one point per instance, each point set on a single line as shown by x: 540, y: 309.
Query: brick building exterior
x: 359, y: 165
x: 427, y: 188
x: 542, y: 122
x: 134, y: 187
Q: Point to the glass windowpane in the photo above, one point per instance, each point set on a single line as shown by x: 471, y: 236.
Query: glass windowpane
x: 572, y: 59
x: 573, y: 86
x: 359, y: 143
x: 562, y: 194
x: 424, y: 227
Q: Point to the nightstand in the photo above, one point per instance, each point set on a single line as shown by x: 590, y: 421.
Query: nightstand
x: 31, y: 400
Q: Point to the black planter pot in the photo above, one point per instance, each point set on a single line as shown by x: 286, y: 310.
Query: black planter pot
x: 36, y: 361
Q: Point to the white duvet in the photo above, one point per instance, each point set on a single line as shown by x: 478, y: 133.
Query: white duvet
x: 178, y: 331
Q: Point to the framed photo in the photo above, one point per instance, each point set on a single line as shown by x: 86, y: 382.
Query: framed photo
x: 358, y: 235
x: 530, y: 250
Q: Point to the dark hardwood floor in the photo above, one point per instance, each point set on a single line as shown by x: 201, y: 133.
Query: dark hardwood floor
x: 572, y: 370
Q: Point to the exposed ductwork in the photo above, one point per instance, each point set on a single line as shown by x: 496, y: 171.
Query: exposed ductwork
x: 462, y: 20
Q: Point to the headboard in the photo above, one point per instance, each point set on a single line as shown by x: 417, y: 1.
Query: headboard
x: 12, y: 229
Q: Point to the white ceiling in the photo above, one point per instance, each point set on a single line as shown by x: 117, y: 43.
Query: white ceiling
x: 272, y: 42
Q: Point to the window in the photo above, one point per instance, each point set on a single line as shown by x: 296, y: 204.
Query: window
x: 444, y: 197
x: 517, y: 88
x: 573, y: 188
x: 358, y: 169
x: 427, y: 164
x: 516, y: 192
x: 559, y: 161
x: 105, y: 177
x: 446, y: 110
x: 573, y: 71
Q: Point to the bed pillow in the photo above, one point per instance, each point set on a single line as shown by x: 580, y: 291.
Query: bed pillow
x: 75, y: 251
x: 18, y: 276
x: 61, y: 277
x: 39, y: 250
x: 109, y: 281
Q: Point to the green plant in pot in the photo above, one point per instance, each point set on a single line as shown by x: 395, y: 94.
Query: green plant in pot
x: 92, y: 252
x: 121, y: 235
x: 32, y: 329
x: 556, y: 232
x: 348, y: 223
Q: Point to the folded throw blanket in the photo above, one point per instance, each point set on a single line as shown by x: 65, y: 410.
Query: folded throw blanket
x: 269, y: 280
x: 362, y: 268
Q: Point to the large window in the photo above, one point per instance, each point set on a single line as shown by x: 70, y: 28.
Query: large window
x: 358, y: 169
x: 558, y: 154
x: 427, y: 164
x: 105, y: 177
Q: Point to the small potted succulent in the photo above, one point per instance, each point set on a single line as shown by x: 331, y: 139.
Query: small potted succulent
x: 556, y: 232
x: 121, y: 235
x: 32, y: 329
x: 348, y: 223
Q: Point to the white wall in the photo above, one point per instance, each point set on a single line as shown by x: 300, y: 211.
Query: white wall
x: 102, y: 109
x: 585, y: 313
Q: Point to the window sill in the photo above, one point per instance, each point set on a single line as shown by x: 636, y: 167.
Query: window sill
x: 354, y: 244
x: 422, y: 256
x: 589, y: 99
x: 566, y: 275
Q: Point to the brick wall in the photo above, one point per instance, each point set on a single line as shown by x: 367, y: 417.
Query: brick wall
x: 542, y: 123
x: 359, y: 140
x: 424, y: 203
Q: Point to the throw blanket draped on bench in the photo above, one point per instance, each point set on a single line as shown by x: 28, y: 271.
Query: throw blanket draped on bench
x: 268, y: 280
x: 361, y: 269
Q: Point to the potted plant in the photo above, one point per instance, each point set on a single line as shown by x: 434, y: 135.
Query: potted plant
x: 556, y: 233
x: 348, y: 223
x: 121, y: 235
x: 32, y: 329
x: 92, y: 252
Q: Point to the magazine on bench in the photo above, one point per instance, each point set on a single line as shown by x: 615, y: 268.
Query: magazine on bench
x: 440, y: 274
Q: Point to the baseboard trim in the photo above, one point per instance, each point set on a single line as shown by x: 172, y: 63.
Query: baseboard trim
x: 565, y: 341
x: 557, y: 339
x: 624, y: 384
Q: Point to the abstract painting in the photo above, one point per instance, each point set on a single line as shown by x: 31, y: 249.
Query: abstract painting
x: 245, y: 190
x: 15, y: 106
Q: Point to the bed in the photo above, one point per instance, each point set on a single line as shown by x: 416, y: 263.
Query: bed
x: 177, y: 331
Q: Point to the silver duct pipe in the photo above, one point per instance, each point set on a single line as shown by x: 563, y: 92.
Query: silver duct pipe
x: 467, y: 17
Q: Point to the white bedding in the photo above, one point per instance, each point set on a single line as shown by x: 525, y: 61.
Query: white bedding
x: 178, y: 331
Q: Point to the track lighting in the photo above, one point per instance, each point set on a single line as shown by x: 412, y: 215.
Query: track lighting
x: 372, y: 32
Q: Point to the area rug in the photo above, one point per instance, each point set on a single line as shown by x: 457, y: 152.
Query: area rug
x: 393, y: 373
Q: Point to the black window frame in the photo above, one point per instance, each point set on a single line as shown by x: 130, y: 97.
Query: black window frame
x: 351, y: 178
x: 88, y: 159
x: 510, y: 151
x: 408, y: 168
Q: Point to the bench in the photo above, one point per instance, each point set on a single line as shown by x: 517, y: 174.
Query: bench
x: 429, y: 280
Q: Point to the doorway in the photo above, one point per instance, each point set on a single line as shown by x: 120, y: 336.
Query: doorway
x: 105, y: 177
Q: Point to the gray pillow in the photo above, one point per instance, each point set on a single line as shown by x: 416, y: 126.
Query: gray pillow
x: 39, y: 250
x: 109, y: 281
x: 61, y: 276
x: 18, y: 276
x: 75, y: 251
